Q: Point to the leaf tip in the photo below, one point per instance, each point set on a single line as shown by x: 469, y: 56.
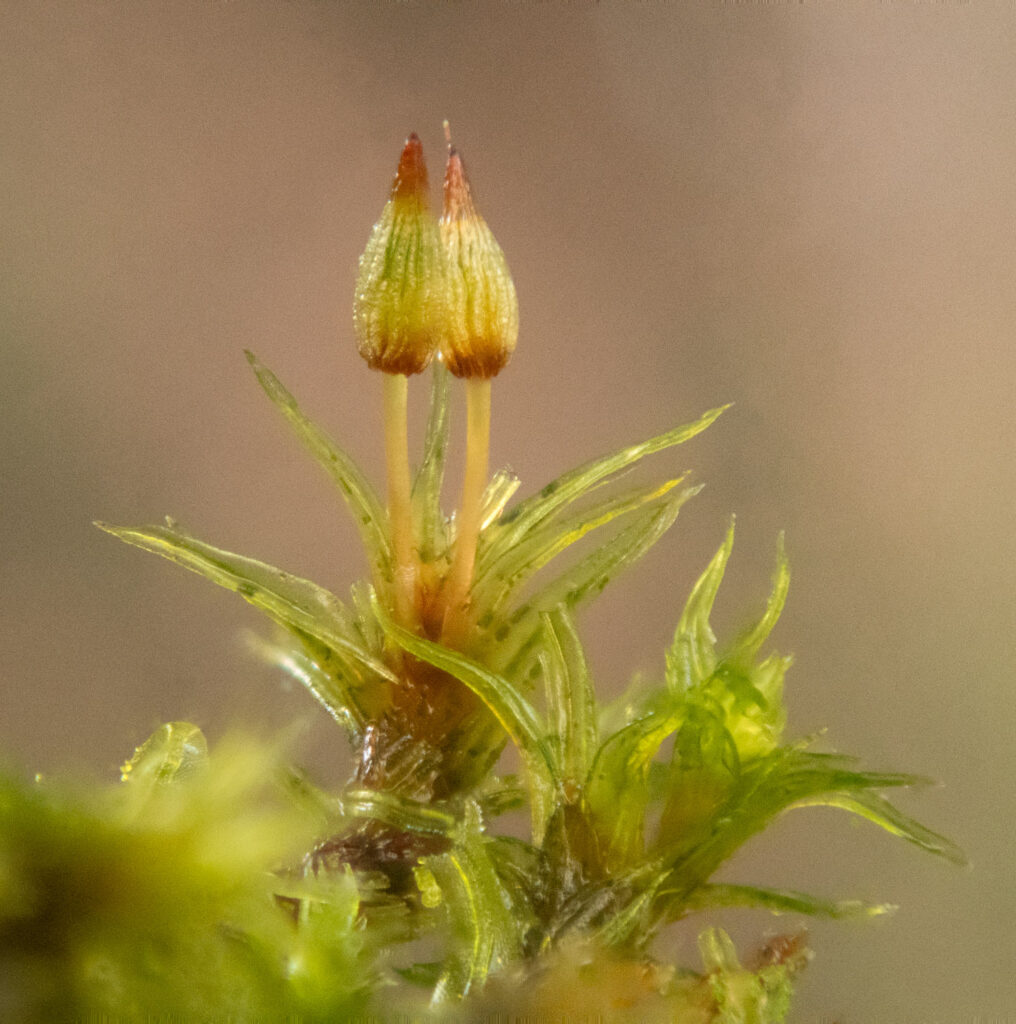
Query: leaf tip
x: 116, y: 531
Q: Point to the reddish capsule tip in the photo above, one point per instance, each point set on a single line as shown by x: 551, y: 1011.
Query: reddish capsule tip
x: 411, y: 177
x: 458, y: 202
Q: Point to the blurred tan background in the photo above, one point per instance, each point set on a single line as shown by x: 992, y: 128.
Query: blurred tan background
x: 808, y: 210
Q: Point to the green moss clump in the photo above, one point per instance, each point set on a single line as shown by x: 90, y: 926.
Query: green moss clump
x: 227, y: 886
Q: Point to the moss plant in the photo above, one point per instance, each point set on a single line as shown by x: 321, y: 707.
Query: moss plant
x: 228, y: 886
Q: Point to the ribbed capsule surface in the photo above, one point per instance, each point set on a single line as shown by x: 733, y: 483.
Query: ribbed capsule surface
x: 399, y: 299
x: 482, y: 318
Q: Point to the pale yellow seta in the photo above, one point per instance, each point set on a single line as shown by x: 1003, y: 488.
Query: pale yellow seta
x: 397, y: 309
x: 479, y: 337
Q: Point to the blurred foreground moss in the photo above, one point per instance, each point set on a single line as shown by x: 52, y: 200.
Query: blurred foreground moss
x: 158, y: 897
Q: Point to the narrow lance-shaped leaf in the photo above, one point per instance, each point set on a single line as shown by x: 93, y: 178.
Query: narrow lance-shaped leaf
x: 772, y: 784
x: 748, y: 646
x: 503, y: 484
x: 361, y: 594
x: 777, y: 901
x: 617, y: 792
x: 496, y: 580
x: 807, y: 772
x: 692, y: 656
x: 571, y: 703
x: 299, y: 605
x: 875, y: 808
x: 587, y: 577
x: 329, y: 689
x: 368, y: 513
x: 519, y: 521
x: 486, y: 934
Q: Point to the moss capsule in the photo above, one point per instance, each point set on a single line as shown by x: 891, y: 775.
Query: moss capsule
x: 400, y: 286
x: 482, y: 318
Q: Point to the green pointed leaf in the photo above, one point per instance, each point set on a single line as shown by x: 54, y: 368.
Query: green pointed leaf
x: 330, y: 689
x: 877, y: 809
x: 301, y: 606
x: 749, y: 695
x: 748, y: 646
x: 519, y: 522
x: 486, y: 932
x: 691, y: 658
x: 503, y: 484
x: 777, y: 901
x: 367, y: 511
x: 587, y: 577
x: 497, y: 579
x: 365, y: 622
x: 805, y: 773
x: 429, y: 479
x: 766, y: 787
x: 571, y: 703
x: 617, y: 792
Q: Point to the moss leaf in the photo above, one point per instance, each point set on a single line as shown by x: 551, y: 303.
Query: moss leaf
x: 367, y: 511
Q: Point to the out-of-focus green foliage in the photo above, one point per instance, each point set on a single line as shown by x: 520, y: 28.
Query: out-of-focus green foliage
x: 159, y: 898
